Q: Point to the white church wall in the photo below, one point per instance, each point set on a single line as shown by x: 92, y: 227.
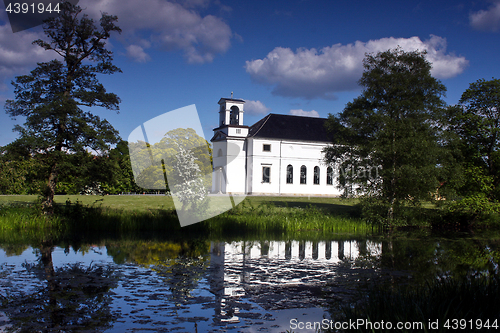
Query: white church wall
x: 249, y: 167
x: 235, y: 169
x: 282, y: 154
x: 219, y: 158
x: 308, y: 154
x: 260, y: 160
x: 237, y: 131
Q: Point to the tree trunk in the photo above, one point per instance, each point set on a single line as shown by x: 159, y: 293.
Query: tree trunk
x: 390, y: 211
x: 50, y: 190
x: 46, y: 250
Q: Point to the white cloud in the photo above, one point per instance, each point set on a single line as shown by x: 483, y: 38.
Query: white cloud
x: 488, y: 20
x: 256, y: 107
x: 145, y: 24
x: 17, y: 53
x: 137, y: 53
x: 167, y: 25
x: 303, y: 113
x: 310, y: 73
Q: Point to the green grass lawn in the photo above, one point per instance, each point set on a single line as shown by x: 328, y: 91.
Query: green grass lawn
x: 127, y: 202
x: 148, y: 202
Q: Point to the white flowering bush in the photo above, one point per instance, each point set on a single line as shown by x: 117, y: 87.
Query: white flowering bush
x: 189, y: 188
x: 93, y: 189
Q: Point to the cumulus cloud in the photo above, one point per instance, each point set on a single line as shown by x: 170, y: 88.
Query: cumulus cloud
x: 17, y: 53
x: 487, y: 20
x: 256, y: 107
x: 168, y: 25
x: 312, y: 73
x: 303, y: 113
x: 137, y: 53
x: 146, y: 24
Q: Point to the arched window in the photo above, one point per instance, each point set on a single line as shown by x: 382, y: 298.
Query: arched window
x: 235, y: 113
x: 303, y: 174
x: 219, y: 153
x: 329, y: 176
x: 289, y: 174
x: 316, y: 175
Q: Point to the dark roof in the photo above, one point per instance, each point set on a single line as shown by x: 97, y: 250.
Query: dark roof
x: 231, y: 99
x: 286, y: 127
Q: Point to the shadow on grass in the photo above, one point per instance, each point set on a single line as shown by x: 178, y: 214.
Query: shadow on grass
x: 353, y: 211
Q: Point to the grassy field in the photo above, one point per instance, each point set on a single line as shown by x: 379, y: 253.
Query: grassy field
x: 149, y: 202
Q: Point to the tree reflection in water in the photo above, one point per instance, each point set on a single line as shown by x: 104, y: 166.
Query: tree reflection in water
x: 73, y: 297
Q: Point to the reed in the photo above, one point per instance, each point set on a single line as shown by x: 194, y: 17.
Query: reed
x: 472, y: 300
x: 22, y: 217
x: 263, y: 219
x: 271, y: 219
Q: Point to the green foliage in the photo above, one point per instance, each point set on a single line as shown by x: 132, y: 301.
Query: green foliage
x: 472, y: 184
x: 27, y: 174
x: 385, y: 140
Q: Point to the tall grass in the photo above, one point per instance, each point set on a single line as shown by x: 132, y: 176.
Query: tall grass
x: 265, y: 219
x: 23, y: 217
x: 471, y: 301
x: 271, y: 219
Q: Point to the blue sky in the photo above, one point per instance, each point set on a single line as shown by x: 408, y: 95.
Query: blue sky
x: 288, y: 57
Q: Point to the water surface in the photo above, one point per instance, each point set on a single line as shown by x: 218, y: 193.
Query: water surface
x: 150, y: 285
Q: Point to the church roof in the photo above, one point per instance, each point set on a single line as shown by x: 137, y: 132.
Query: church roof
x: 222, y: 100
x: 287, y: 127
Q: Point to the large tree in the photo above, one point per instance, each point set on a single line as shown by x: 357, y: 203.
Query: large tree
x: 51, y: 97
x: 386, y: 143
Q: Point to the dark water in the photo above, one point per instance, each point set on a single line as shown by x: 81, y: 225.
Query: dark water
x: 151, y: 285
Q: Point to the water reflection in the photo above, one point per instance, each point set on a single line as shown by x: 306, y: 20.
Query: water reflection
x: 278, y: 275
x: 71, y: 297
x: 214, y: 286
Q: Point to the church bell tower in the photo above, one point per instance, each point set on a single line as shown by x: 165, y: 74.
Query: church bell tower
x: 229, y: 155
x: 231, y: 112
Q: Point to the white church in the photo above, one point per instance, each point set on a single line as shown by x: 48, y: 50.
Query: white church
x: 278, y: 155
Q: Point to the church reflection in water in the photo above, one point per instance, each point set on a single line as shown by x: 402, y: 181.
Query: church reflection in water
x: 197, y: 286
x: 279, y: 274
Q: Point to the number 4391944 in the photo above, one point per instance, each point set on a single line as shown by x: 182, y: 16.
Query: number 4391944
x: 462, y: 324
x: 33, y: 8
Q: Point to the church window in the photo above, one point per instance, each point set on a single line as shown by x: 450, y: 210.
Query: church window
x: 303, y: 174
x: 238, y: 131
x: 266, y: 174
x: 329, y: 176
x: 289, y: 174
x: 235, y: 113
x: 266, y: 147
x: 219, y: 153
x: 316, y: 175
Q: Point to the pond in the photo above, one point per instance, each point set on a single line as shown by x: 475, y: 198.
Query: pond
x: 149, y: 284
